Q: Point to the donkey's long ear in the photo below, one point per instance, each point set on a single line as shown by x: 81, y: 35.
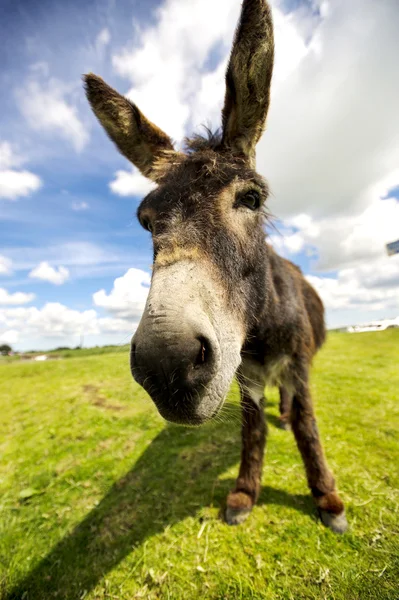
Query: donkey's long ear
x: 248, y: 78
x: 142, y: 142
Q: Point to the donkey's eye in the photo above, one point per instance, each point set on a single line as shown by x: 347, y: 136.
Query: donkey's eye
x: 146, y: 223
x: 250, y: 200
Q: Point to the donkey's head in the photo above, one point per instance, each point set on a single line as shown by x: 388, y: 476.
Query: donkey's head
x: 205, y: 217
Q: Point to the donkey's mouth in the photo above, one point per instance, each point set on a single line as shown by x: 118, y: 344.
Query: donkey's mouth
x: 188, y: 414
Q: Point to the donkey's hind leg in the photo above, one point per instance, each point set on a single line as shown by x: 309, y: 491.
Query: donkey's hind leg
x: 285, y: 407
x: 243, y: 497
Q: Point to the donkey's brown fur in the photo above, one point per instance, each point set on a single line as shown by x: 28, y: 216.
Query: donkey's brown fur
x: 221, y: 300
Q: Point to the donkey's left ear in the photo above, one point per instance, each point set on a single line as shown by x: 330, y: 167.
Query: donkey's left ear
x: 142, y: 142
x: 248, y: 79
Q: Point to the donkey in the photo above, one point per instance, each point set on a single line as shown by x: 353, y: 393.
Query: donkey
x: 222, y: 302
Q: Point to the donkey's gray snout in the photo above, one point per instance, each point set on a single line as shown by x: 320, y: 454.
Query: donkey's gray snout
x: 174, y: 368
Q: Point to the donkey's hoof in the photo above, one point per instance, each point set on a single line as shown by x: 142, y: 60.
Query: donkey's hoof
x: 236, y: 516
x: 337, y: 523
x: 239, y: 505
x: 285, y: 425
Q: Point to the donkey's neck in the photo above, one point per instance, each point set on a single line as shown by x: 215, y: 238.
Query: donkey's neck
x: 271, y: 332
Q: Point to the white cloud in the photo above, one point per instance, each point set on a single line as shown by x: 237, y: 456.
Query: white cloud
x: 331, y: 152
x: 372, y: 286
x: 53, y: 320
x: 165, y: 66
x: 8, y: 158
x: 332, y: 135
x: 131, y: 184
x: 287, y: 244
x: 79, y: 206
x: 364, y: 278
x: 290, y: 42
x: 55, y: 324
x: 14, y: 183
x: 352, y: 239
x: 14, y: 299
x: 128, y: 295
x: 167, y: 63
x: 46, y: 108
x: 5, y: 265
x: 46, y: 272
x: 110, y: 325
x: 382, y: 273
x: 317, y: 153
x: 208, y: 99
x: 9, y: 337
x: 103, y: 39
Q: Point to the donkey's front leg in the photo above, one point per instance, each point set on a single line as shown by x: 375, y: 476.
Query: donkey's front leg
x: 241, y: 500
x: 320, y: 478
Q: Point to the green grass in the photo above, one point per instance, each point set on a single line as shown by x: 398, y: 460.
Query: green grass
x: 66, y: 353
x: 100, y: 499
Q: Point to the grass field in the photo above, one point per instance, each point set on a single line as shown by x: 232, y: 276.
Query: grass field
x: 100, y: 499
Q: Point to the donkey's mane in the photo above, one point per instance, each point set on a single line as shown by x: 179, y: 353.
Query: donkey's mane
x: 210, y: 140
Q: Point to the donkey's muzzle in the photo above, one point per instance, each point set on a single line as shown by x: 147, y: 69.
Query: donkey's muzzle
x: 175, y: 365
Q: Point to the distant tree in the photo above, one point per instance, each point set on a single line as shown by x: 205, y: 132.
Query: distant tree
x: 5, y: 349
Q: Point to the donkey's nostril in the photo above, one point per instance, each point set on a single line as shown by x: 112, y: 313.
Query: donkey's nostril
x: 203, y: 355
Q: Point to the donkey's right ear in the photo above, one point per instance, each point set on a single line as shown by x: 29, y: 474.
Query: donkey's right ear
x: 142, y: 142
x: 248, y: 79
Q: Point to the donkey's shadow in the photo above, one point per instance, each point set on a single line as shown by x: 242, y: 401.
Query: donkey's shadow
x: 173, y: 479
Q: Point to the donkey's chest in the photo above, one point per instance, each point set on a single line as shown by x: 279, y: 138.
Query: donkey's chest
x: 255, y: 376
x: 275, y: 371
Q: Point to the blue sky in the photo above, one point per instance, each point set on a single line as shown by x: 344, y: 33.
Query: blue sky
x: 73, y: 258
